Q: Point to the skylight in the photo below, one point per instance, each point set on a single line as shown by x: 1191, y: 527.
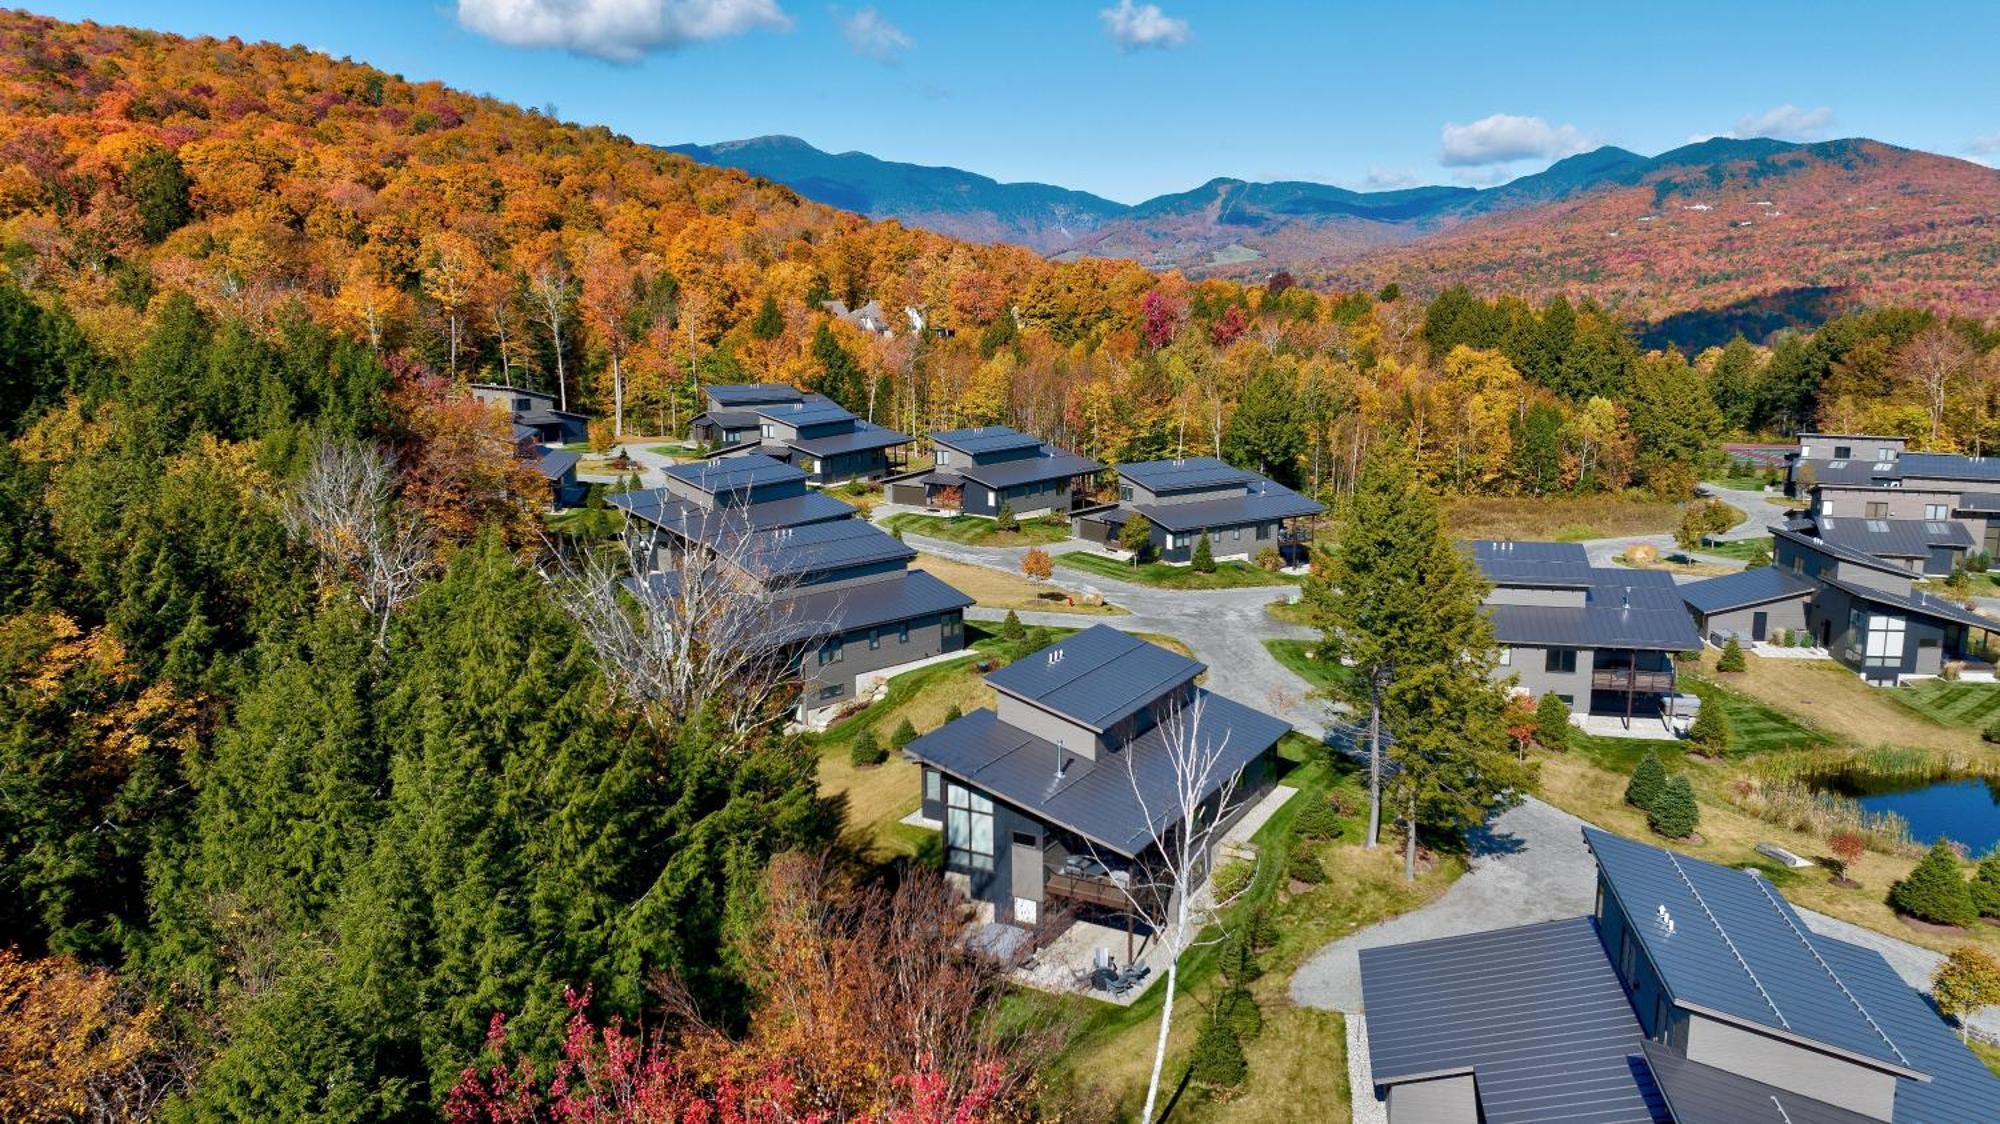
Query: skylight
x: 1878, y: 527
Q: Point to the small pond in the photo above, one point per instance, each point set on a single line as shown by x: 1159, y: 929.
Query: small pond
x: 1965, y: 811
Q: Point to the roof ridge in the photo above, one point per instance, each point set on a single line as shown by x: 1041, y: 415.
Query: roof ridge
x: 1831, y: 974
x: 1675, y: 862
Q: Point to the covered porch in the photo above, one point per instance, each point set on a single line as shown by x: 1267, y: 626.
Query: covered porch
x: 1633, y: 685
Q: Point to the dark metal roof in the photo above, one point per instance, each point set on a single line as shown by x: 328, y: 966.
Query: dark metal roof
x: 1923, y: 604
x: 1960, y: 1085
x: 871, y: 604
x: 1852, y: 470
x: 541, y: 394
x: 1623, y: 608
x: 664, y: 509
x: 863, y: 436
x: 1264, y: 502
x: 1703, y: 1094
x: 553, y: 463
x: 1054, y: 464
x: 984, y: 439
x: 751, y: 394
x: 1189, y: 474
x: 1892, y: 538
x: 523, y: 432
x: 547, y: 417
x: 813, y: 409
x: 1837, y: 552
x: 1724, y: 941
x: 1979, y: 503
x: 821, y: 548
x: 1096, y: 677
x: 1123, y: 799
x: 1536, y: 1014
x: 1950, y: 466
x: 1530, y: 550
x: 730, y: 419
x: 726, y: 474
x: 1564, y: 565
x: 1738, y: 591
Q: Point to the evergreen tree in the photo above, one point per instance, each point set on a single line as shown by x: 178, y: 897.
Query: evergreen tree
x: 43, y: 356
x: 1648, y: 778
x: 1010, y: 626
x: 1218, y: 1060
x: 904, y: 735
x: 1203, y: 561
x: 1935, y: 891
x: 1986, y: 885
x: 867, y: 750
x: 840, y: 376
x: 1400, y: 595
x: 158, y: 185
x: 953, y: 713
x: 1731, y: 658
x: 1552, y: 725
x: 1004, y: 518
x: 1266, y: 431
x: 1710, y: 734
x: 769, y: 323
x: 1674, y: 812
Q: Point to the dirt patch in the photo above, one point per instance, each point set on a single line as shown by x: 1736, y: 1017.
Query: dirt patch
x: 998, y: 590
x: 1931, y: 927
x: 1570, y: 518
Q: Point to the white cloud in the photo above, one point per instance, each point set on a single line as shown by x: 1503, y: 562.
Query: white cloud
x: 1785, y: 122
x: 616, y: 30
x: 873, y: 37
x: 1387, y: 179
x: 1504, y: 137
x: 1988, y: 145
x: 1137, y: 26
x: 1492, y: 175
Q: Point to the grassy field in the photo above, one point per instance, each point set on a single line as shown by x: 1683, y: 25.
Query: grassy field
x: 1847, y: 710
x: 1953, y: 704
x: 1748, y: 482
x: 1756, y: 727
x: 1740, y: 549
x: 1296, y: 655
x: 1299, y: 1058
x: 1676, y: 563
x: 999, y: 590
x: 974, y: 530
x: 1988, y: 1053
x: 1288, y: 612
x: 1562, y: 518
x: 1227, y: 575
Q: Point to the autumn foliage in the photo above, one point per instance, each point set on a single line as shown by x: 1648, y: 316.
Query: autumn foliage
x: 73, y: 1046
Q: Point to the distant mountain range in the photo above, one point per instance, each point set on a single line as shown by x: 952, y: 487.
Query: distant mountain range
x: 1702, y: 226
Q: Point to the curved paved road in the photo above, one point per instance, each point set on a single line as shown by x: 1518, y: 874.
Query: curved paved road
x: 1528, y: 865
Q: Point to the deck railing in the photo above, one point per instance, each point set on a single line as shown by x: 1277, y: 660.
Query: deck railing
x: 1628, y: 679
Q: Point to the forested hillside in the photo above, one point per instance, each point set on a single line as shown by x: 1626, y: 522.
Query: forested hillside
x: 307, y: 771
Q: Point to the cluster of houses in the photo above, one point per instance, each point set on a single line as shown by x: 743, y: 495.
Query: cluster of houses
x: 1692, y: 994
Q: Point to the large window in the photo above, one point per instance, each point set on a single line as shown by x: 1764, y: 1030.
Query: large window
x: 1561, y: 660
x: 968, y: 829
x: 1885, y: 640
x: 1936, y: 511
x: 950, y: 625
x: 830, y: 652
x: 1877, y: 509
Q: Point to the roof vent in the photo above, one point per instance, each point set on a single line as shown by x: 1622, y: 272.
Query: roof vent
x: 1625, y: 598
x: 1666, y: 920
x: 1055, y: 656
x: 1062, y: 760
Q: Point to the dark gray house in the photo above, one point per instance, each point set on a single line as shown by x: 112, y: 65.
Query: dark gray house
x: 534, y: 410
x: 1852, y: 477
x: 808, y: 431
x: 1752, y: 605
x: 1241, y: 512
x: 1694, y: 994
x: 978, y: 470
x: 1061, y: 794
x: 1602, y: 639
x: 558, y: 467
x: 1864, y: 610
x: 848, y: 603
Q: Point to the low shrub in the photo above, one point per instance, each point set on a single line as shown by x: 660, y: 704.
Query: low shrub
x: 1011, y: 627
x: 1269, y: 559
x: 1218, y: 1060
x: 954, y: 713
x: 1231, y: 879
x: 1992, y: 731
x: 904, y: 735
x: 1552, y: 722
x: 1005, y: 520
x: 867, y: 750
x: 1304, y: 866
x: 1203, y: 561
x: 1732, y: 657
x: 1317, y: 820
x: 1710, y: 734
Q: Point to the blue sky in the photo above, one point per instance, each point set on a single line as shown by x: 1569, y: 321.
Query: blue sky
x: 1133, y: 99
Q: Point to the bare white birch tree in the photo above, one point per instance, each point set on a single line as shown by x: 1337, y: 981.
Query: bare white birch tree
x: 345, y: 508
x: 551, y: 289
x: 1174, y: 900
x: 712, y: 630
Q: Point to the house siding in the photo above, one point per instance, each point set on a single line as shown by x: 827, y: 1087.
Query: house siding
x: 1529, y: 667
x: 1792, y: 1066
x: 928, y: 637
x: 1788, y: 615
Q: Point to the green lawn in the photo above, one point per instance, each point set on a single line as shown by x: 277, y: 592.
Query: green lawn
x: 1288, y: 612
x: 1752, y: 482
x: 674, y: 449
x: 975, y: 530
x: 1953, y: 704
x: 1296, y: 655
x: 1988, y: 1054
x: 1753, y: 726
x: 1741, y: 549
x: 1227, y: 575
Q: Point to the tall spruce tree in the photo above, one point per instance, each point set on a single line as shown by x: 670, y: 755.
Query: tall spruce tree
x: 1267, y: 431
x: 1400, y: 599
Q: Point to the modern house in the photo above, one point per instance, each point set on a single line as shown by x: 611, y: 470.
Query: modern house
x: 534, y: 410
x: 1062, y: 793
x: 1857, y: 477
x: 809, y: 431
x: 558, y: 467
x: 1241, y: 512
x: 1602, y: 639
x: 1863, y: 609
x: 978, y: 471
x: 842, y: 595
x: 1693, y: 994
